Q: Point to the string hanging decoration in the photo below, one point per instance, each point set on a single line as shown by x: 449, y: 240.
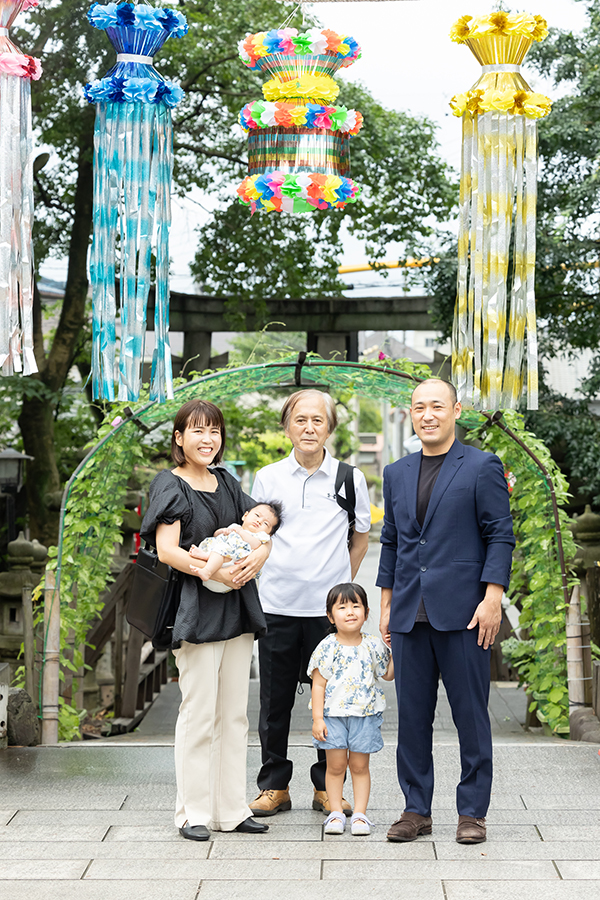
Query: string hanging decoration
x: 133, y: 166
x: 298, y: 141
x: 17, y: 70
x: 494, y: 345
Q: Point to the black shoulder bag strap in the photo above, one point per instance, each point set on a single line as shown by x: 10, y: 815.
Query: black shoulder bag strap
x: 345, y: 476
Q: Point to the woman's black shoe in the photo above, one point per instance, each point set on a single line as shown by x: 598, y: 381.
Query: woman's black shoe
x: 194, y: 832
x: 249, y: 826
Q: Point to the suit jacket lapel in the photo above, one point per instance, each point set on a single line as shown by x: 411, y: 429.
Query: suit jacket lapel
x: 413, y: 463
x: 450, y: 467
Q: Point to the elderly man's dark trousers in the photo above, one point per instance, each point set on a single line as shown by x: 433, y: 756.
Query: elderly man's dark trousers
x: 420, y: 657
x: 283, y: 656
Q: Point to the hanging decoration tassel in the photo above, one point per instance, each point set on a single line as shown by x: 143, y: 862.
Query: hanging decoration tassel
x: 16, y: 197
x: 133, y: 166
x: 299, y: 156
x: 494, y: 344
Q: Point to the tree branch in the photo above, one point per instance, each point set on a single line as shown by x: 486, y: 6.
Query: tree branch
x: 212, y: 153
x: 217, y: 62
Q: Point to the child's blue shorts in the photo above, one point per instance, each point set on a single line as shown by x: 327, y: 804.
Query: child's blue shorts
x: 360, y: 734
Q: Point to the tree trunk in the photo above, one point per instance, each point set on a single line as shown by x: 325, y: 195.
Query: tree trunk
x: 36, y: 419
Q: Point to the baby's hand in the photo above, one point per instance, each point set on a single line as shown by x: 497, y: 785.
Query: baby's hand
x: 319, y: 729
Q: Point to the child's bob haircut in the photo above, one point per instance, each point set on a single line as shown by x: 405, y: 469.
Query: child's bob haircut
x: 191, y: 414
x: 348, y: 591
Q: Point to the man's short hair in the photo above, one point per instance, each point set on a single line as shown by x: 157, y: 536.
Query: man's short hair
x: 449, y: 385
x: 288, y: 407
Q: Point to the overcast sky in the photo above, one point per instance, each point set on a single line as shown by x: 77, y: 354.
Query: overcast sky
x: 408, y: 62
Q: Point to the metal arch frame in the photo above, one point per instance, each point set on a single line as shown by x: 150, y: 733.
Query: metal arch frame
x: 304, y: 361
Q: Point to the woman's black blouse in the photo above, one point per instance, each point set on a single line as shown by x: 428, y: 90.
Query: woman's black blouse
x: 204, y: 615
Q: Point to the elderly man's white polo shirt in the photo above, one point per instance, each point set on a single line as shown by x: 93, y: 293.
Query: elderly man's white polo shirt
x: 310, y: 550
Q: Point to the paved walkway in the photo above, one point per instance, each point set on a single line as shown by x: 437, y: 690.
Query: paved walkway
x: 94, y: 821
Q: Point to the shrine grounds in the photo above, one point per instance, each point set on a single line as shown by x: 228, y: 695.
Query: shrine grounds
x: 94, y: 821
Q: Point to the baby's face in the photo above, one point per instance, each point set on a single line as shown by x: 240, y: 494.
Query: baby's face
x: 261, y: 518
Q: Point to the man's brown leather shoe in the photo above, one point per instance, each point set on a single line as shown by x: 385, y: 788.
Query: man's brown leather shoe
x: 321, y: 802
x: 470, y: 830
x: 409, y: 826
x: 270, y: 802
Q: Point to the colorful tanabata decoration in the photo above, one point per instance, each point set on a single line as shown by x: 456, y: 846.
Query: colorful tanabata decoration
x: 498, y: 192
x: 133, y: 165
x: 298, y: 152
x: 16, y: 197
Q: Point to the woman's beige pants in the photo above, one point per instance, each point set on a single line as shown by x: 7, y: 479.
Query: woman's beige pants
x: 211, y: 735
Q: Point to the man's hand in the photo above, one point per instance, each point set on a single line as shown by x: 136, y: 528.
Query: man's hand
x: 384, y: 619
x: 319, y: 729
x: 488, y: 616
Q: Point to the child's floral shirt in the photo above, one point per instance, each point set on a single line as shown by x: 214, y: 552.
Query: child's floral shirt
x: 351, y: 674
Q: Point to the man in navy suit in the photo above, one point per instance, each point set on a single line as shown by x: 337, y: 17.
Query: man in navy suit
x: 447, y: 543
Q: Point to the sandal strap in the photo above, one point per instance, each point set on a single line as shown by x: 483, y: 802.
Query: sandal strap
x: 360, y: 817
x: 335, y: 815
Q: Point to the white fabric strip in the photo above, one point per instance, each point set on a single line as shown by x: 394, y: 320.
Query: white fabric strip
x: 500, y: 67
x: 3, y: 31
x: 133, y: 57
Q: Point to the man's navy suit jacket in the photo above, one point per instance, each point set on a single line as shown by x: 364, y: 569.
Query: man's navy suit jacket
x: 465, y: 543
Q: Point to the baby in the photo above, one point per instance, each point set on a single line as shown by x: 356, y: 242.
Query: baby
x: 229, y: 545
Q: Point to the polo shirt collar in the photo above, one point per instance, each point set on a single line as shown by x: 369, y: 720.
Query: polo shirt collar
x: 326, y: 466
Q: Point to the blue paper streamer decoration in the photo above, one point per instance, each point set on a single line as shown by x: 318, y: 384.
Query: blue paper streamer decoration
x: 133, y: 167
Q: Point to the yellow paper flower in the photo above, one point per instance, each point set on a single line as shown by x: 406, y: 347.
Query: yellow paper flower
x: 540, y: 32
x: 458, y: 104
x: 460, y: 30
x: 536, y: 106
x: 520, y: 23
x: 298, y: 114
x: 329, y: 187
x: 497, y: 101
x: 309, y: 87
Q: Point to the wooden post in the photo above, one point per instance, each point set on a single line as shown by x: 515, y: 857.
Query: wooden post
x: 118, y: 663
x: 4, y: 680
x: 132, y: 673
x: 51, y: 671
x: 575, y: 653
x: 29, y: 642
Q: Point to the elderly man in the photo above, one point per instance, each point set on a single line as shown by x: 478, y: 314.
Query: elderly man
x: 310, y: 555
x: 447, y: 543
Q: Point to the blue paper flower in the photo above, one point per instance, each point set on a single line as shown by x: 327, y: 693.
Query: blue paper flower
x: 263, y: 187
x: 313, y: 110
x: 145, y: 17
x: 272, y: 42
x: 174, y: 94
x: 139, y: 90
x: 103, y: 16
x: 125, y: 14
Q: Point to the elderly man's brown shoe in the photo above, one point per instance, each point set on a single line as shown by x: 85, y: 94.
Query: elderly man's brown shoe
x: 470, y: 830
x: 409, y: 826
x: 270, y: 802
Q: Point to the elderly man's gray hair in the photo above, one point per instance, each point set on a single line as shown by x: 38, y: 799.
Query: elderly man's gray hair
x: 287, y: 410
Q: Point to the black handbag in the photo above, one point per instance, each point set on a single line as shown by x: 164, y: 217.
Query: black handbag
x: 154, y: 598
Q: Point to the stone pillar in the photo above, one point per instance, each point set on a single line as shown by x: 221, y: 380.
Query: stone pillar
x: 586, y: 531
x: 196, y: 351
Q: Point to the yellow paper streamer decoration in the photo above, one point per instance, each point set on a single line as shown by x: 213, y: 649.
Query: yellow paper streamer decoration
x: 498, y: 198
x: 307, y: 86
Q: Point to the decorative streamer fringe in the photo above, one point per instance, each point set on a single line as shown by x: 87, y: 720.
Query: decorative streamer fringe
x: 133, y: 167
x: 16, y: 199
x: 494, y: 342
x: 298, y: 150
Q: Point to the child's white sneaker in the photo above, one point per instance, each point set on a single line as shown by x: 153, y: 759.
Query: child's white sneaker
x: 359, y: 824
x: 335, y: 823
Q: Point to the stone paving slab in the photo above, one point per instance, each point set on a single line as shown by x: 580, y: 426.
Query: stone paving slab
x: 577, y: 832
x: 315, y: 890
x: 42, y: 869
x: 356, y: 848
x: 74, y: 817
x: 521, y: 890
x: 570, y: 869
x: 101, y: 890
x: 104, y: 850
x: 558, y: 801
x: 56, y: 833
x: 507, y: 850
x: 56, y: 800
x: 479, y: 869
x: 217, y: 869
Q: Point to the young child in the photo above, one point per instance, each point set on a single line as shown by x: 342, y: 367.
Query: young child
x: 347, y: 703
x: 229, y: 545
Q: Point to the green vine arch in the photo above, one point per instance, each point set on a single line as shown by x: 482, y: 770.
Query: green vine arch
x: 93, y: 505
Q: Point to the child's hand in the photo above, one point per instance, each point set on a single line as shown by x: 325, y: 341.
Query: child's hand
x: 319, y: 729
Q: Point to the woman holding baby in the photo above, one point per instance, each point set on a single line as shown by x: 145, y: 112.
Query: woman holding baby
x: 214, y: 632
